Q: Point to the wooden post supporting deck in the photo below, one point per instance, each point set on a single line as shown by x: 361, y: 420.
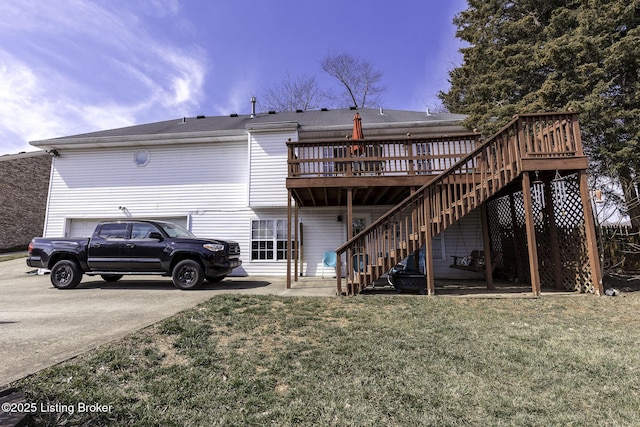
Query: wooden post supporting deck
x: 296, y: 249
x: 531, y: 234
x: 486, y: 240
x: 349, y: 273
x: 428, y: 251
x: 590, y: 231
x: 289, y: 256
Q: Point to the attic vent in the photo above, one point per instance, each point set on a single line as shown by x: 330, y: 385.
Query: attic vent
x: 324, y: 109
x: 353, y: 108
x: 299, y: 111
x: 141, y: 158
x: 233, y: 115
x: 199, y: 117
x: 272, y: 112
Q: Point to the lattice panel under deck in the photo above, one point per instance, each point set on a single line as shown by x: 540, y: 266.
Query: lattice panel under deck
x: 507, y: 220
x: 569, y: 217
x: 496, y: 232
x: 502, y: 234
x: 543, y: 240
x: 521, y: 230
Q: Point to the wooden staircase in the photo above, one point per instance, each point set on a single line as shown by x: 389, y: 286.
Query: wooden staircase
x: 529, y: 142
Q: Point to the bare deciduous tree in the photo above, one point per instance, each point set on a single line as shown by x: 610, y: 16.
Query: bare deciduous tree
x: 359, y: 78
x: 300, y: 93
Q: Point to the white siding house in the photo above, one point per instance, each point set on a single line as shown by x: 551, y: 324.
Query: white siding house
x: 221, y: 177
x: 268, y: 164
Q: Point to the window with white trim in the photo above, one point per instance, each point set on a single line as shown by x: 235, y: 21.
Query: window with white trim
x: 268, y: 239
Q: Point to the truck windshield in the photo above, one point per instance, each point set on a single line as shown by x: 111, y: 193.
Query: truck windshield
x: 174, y: 230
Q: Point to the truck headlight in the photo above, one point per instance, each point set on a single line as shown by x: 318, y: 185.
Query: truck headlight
x: 213, y: 247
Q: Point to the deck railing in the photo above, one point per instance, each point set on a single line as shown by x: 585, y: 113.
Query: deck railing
x: 456, y: 191
x: 395, y: 157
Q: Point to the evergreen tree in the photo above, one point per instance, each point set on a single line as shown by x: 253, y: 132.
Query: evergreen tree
x: 552, y: 55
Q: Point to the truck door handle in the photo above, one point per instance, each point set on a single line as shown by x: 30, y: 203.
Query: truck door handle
x: 97, y: 245
x: 130, y: 245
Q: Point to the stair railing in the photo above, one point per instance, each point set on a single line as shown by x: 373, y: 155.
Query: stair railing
x: 455, y: 192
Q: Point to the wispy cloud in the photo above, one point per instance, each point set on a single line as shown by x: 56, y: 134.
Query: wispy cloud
x: 188, y: 74
x: 28, y: 111
x: 165, y: 7
x: 238, y: 100
x: 75, y: 66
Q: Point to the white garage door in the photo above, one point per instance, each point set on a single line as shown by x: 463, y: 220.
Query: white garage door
x: 82, y: 227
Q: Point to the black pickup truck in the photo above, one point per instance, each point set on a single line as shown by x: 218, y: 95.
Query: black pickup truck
x: 128, y: 247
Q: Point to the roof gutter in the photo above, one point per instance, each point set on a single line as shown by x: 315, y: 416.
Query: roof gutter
x: 143, y: 140
x: 386, y: 125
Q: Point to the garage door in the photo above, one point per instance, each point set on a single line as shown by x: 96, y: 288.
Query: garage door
x: 83, y: 227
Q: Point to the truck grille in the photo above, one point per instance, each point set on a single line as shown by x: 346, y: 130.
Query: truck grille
x: 234, y: 249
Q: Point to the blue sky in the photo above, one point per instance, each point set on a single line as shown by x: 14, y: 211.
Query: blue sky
x: 74, y: 66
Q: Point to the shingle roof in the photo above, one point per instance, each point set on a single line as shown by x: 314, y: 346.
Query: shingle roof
x: 314, y: 119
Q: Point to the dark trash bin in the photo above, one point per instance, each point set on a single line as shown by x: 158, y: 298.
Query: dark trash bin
x: 407, y: 279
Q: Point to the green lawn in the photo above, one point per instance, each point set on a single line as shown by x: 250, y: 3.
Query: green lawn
x: 9, y: 257
x: 364, y: 361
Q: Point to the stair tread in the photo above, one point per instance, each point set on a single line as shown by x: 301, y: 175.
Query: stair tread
x: 449, y: 197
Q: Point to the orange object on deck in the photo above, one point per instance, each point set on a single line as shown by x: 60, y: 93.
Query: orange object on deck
x: 357, y: 149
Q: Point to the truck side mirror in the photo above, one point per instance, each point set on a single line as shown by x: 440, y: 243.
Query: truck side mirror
x: 155, y: 235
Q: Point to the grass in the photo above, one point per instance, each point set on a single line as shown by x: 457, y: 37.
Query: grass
x: 365, y: 361
x: 9, y: 257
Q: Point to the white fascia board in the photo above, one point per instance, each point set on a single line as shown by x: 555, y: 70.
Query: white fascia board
x: 142, y: 140
x: 273, y: 127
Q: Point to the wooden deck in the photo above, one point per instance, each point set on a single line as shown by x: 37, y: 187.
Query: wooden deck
x: 432, y: 183
x: 380, y: 172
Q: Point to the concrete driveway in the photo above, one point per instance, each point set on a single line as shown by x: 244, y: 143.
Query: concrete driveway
x: 41, y: 325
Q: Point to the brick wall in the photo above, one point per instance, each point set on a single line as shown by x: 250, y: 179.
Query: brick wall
x: 24, y: 185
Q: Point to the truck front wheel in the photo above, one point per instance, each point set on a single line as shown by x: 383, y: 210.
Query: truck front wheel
x: 66, y: 274
x: 188, y: 274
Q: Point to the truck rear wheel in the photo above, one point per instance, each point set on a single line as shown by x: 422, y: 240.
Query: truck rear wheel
x: 66, y: 274
x: 188, y: 274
